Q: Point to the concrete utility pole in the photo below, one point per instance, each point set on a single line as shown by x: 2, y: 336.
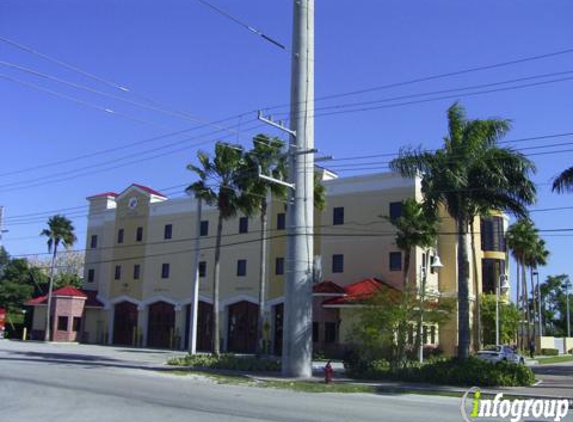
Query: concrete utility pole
x: 194, y: 305
x: 2, y: 230
x: 297, y: 339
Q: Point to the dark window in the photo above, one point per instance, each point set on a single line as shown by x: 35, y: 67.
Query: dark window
x: 120, y: 236
x: 77, y: 324
x: 136, y: 271
x: 62, y: 323
x: 395, y: 210
x: 118, y: 272
x: 279, y: 266
x: 203, y: 269
x: 91, y: 275
x: 425, y: 335
x: 433, y: 334
x: 164, y: 270
x: 492, y: 234
x: 93, y: 241
x: 281, y: 221
x: 315, y: 327
x: 337, y: 263
x: 395, y: 261
x: 338, y: 216
x: 168, y: 232
x: 204, y: 228
x: 330, y: 332
x: 241, y: 267
x: 490, y: 271
x: 244, y: 225
x: 139, y: 234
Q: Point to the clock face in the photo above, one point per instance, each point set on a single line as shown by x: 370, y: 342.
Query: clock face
x: 132, y: 202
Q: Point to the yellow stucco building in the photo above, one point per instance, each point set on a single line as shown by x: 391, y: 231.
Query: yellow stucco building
x: 139, y: 260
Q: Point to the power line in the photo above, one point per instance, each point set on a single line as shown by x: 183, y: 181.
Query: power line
x: 444, y: 75
x: 359, y: 165
x: 440, y: 76
x: 242, y: 24
x: 81, y: 173
x: 425, y: 100
x: 170, y: 112
x: 444, y: 91
x: 455, y: 96
x: 227, y: 245
x: 64, y: 64
x: 106, y: 110
x: 115, y: 149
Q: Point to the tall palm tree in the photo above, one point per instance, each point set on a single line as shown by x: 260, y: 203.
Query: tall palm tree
x: 564, y: 182
x: 538, y: 256
x: 268, y: 157
x: 521, y: 239
x: 218, y: 186
x: 468, y: 173
x: 415, y: 228
x: 60, y: 231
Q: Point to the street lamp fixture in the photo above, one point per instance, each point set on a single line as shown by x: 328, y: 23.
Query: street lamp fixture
x: 435, y: 264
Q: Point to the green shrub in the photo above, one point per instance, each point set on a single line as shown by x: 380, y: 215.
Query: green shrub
x: 470, y: 372
x: 549, y: 352
x: 228, y: 362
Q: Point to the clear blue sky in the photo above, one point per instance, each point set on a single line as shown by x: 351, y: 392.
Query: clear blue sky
x: 182, y: 54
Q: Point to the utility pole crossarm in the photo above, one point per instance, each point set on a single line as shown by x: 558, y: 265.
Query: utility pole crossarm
x: 276, y: 181
x: 279, y: 125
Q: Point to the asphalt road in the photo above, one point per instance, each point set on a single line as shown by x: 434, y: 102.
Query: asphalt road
x: 48, y: 382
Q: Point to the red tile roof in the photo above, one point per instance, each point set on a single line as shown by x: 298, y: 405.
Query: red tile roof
x: 327, y: 287
x: 69, y: 291
x: 149, y: 190
x: 357, y: 292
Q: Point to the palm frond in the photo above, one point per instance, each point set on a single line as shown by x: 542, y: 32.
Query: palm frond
x: 564, y: 182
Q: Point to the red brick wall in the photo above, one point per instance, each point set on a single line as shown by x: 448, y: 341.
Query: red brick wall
x: 69, y: 307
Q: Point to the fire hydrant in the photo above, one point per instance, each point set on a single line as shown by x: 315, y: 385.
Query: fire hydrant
x: 328, y: 373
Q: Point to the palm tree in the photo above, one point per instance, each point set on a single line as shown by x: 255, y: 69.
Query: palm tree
x: 538, y: 256
x: 521, y: 239
x: 268, y: 157
x: 564, y: 182
x: 60, y: 231
x: 469, y: 173
x: 415, y: 228
x: 218, y: 186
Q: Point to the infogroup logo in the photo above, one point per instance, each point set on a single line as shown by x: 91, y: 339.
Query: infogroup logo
x: 513, y: 409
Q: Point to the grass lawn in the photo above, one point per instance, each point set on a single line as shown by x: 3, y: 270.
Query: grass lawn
x: 554, y: 359
x: 308, y: 386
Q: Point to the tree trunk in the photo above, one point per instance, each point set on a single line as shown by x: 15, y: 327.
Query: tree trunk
x: 262, y: 281
x: 518, y: 303
x: 403, y: 325
x: 527, y: 314
x: 47, y: 335
x: 464, y: 330
x: 420, y: 328
x: 216, y: 279
x: 477, y: 292
x: 533, y: 303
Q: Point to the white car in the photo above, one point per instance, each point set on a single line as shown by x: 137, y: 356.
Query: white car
x: 501, y: 354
